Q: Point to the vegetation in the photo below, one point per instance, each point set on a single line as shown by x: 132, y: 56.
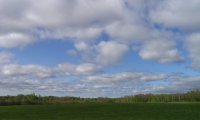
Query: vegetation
x: 108, y: 111
x: 139, y: 107
x: 193, y: 96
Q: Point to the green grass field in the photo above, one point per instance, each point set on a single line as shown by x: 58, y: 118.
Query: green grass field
x: 151, y: 111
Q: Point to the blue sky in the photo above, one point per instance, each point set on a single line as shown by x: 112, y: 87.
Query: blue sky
x: 99, y: 48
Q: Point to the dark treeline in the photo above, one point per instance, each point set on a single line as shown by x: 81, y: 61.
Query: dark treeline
x: 193, y: 96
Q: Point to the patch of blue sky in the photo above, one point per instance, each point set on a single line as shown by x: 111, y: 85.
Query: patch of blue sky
x: 47, y: 53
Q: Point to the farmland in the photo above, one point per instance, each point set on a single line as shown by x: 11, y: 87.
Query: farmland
x: 103, y: 111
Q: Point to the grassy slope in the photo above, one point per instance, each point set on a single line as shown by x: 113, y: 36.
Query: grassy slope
x: 102, y: 112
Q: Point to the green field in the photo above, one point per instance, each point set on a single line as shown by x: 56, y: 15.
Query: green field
x: 148, y: 111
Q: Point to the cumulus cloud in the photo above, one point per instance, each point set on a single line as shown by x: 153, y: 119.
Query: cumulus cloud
x: 15, y: 40
x: 111, y: 52
x: 87, y: 51
x: 66, y: 19
x: 163, y: 51
x: 17, y: 70
x: 104, y: 53
x: 42, y: 72
x: 183, y: 14
x: 123, y: 21
x: 192, y: 43
x: 127, y: 32
x: 124, y: 77
x: 82, y: 46
x: 81, y: 69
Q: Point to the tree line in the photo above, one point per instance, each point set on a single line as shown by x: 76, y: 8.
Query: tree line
x: 31, y: 99
x: 192, y: 96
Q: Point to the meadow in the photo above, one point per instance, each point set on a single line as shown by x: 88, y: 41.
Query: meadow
x: 101, y: 111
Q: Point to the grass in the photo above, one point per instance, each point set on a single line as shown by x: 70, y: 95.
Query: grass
x: 140, y: 111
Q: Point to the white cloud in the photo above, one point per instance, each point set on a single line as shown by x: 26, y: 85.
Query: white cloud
x: 82, y: 46
x: 40, y: 72
x: 72, y: 19
x: 163, y: 51
x: 81, y: 69
x: 33, y: 71
x: 13, y: 16
x: 183, y: 14
x: 125, y: 77
x: 88, y: 68
x: 14, y: 40
x: 123, y: 21
x: 127, y: 31
x: 87, y: 51
x: 110, y: 52
x: 71, y: 33
x: 77, y: 12
x: 61, y: 19
x: 192, y: 43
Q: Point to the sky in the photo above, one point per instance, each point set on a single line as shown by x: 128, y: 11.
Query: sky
x: 99, y: 48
